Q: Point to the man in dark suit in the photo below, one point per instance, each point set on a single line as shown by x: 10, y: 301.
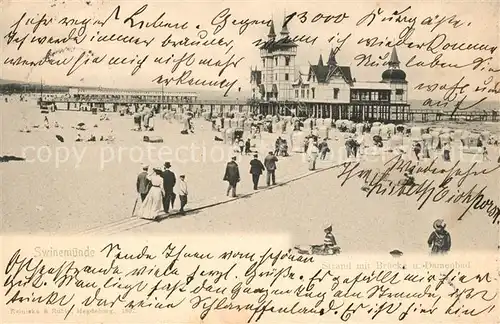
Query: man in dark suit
x: 270, y: 164
x: 143, y: 183
x: 256, y: 168
x: 168, y: 185
x: 232, y: 176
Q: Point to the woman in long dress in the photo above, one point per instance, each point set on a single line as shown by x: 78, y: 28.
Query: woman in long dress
x: 152, y: 206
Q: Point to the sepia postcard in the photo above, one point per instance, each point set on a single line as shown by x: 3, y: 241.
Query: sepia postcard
x: 249, y: 161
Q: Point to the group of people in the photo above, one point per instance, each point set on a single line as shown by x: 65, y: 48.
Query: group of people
x: 232, y: 173
x: 281, y: 147
x: 353, y: 145
x: 242, y: 147
x: 439, y: 240
x: 315, y: 150
x: 144, y: 120
x: 156, y: 191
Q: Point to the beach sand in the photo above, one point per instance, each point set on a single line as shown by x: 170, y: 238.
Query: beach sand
x: 45, y: 198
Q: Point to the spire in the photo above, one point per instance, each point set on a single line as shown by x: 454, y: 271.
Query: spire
x: 320, y: 61
x: 284, y: 29
x: 394, y: 60
x: 332, y: 61
x: 272, y: 33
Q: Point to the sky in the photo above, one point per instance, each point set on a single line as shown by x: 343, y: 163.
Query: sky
x: 482, y: 16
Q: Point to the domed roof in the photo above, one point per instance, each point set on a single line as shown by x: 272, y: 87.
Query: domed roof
x: 394, y: 75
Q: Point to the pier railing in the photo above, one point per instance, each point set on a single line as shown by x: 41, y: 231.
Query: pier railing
x: 414, y: 114
x: 144, y: 101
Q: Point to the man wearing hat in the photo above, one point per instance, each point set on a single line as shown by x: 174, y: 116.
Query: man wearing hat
x: 440, y: 240
x: 183, y: 192
x: 270, y: 164
x: 143, y: 183
x: 256, y: 169
x: 232, y: 176
x: 168, y: 185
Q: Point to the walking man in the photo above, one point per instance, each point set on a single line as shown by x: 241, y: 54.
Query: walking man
x: 232, y: 176
x: 248, y: 146
x: 183, y: 193
x: 143, y: 183
x: 256, y: 168
x: 313, y: 156
x: 270, y: 164
x: 323, y: 148
x: 168, y: 185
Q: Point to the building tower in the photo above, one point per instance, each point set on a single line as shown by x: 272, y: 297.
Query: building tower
x: 396, y: 78
x: 266, y: 65
x: 278, y: 65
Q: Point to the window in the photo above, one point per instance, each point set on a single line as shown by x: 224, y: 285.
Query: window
x: 307, y: 93
x: 384, y: 96
x: 399, y: 94
x: 313, y: 92
x: 302, y: 93
x: 264, y: 62
x: 314, y: 78
x: 365, y: 96
x: 335, y: 93
x: 296, y: 93
x: 276, y: 77
x: 286, y: 76
x: 374, y: 96
x: 287, y: 60
x: 276, y: 61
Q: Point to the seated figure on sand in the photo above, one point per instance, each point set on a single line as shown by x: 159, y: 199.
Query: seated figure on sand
x: 111, y: 136
x: 329, y: 243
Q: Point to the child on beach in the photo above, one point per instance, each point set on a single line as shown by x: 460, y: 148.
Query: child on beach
x: 485, y: 154
x: 440, y: 240
x: 446, y: 152
x: 329, y: 243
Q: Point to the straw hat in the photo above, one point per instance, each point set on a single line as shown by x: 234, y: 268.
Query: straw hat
x: 439, y: 223
x: 327, y: 227
x: 158, y: 167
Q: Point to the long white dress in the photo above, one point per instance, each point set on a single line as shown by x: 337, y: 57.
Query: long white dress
x: 152, y: 206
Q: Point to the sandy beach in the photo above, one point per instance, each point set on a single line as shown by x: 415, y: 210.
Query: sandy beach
x: 67, y: 197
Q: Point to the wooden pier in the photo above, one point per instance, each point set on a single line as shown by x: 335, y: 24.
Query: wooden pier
x: 356, y: 112
x: 214, y: 106
x: 433, y: 115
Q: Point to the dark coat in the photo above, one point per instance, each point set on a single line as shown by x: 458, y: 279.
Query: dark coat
x: 232, y: 174
x: 270, y: 162
x: 440, y: 242
x: 168, y: 180
x: 256, y: 167
x: 143, y: 183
